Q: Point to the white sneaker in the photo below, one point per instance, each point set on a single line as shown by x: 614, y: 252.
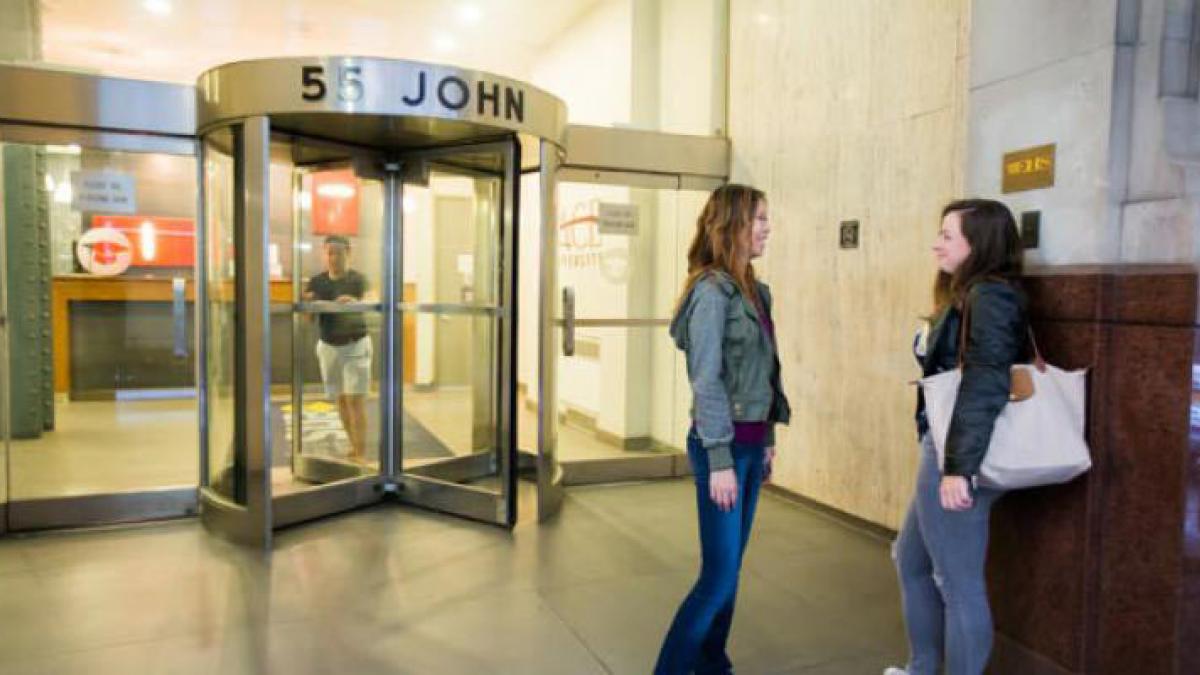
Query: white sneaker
x: 895, y: 671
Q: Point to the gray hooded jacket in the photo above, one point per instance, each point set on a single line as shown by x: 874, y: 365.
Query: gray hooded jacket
x: 732, y: 364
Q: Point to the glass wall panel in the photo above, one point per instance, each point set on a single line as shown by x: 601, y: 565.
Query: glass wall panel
x: 623, y: 390
x: 221, y: 277
x: 104, y: 365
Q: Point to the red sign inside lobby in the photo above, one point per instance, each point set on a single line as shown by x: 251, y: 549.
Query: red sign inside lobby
x: 335, y: 202
x: 155, y: 241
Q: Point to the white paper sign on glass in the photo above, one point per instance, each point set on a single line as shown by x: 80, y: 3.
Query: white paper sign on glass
x: 618, y: 219
x: 103, y: 191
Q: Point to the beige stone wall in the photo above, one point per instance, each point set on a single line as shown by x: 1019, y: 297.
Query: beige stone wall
x: 850, y: 110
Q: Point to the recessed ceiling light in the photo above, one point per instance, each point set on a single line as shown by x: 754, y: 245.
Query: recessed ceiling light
x: 159, y: 7
x: 469, y: 13
x: 444, y: 43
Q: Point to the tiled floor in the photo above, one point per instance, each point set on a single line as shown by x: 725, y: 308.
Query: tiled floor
x: 398, y: 590
x: 110, y: 446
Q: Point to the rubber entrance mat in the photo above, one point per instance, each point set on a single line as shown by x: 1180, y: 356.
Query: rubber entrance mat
x: 323, y: 433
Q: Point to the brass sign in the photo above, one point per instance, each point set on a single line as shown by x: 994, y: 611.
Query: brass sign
x: 1028, y: 169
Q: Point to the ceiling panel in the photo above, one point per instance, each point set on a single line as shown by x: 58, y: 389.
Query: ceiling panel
x: 176, y: 40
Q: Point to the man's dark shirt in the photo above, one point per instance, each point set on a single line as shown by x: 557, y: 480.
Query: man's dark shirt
x: 339, y: 329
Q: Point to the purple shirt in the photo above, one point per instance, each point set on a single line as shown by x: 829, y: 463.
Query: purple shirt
x: 755, y: 433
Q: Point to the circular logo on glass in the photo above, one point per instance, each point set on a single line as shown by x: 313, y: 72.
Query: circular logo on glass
x: 104, y: 252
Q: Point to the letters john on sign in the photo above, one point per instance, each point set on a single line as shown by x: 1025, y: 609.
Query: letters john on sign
x: 1028, y: 169
x: 422, y: 90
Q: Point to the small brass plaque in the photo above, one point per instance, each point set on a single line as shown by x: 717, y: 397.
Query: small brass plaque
x: 1029, y: 169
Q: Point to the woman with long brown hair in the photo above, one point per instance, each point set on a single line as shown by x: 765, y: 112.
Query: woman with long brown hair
x: 942, y: 546
x: 723, y: 323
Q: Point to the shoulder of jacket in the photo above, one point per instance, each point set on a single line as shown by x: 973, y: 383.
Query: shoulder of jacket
x: 993, y: 289
x: 992, y: 296
x: 717, y: 281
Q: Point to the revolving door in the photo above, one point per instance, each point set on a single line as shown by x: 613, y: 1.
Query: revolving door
x: 358, y: 298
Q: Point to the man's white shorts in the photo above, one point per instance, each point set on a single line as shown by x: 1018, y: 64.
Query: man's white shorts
x: 345, y: 369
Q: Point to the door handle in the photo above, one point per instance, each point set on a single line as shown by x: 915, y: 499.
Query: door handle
x: 179, y: 316
x: 568, y: 308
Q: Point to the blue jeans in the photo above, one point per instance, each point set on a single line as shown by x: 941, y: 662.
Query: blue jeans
x: 940, y: 557
x: 696, y: 641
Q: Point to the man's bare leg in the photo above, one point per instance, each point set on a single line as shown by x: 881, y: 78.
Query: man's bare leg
x: 346, y: 414
x: 358, y: 418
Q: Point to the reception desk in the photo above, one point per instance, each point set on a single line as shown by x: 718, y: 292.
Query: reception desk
x: 128, y: 333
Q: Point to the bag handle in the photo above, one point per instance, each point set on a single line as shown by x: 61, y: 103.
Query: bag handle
x: 965, y: 328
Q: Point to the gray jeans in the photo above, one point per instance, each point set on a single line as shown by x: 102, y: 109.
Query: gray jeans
x: 940, y: 557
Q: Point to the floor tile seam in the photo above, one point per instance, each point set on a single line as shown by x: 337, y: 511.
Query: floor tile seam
x: 800, y: 670
x: 617, y: 577
x: 789, y: 589
x: 795, y: 592
x: 165, y: 638
x: 68, y: 651
x: 545, y: 602
x: 620, y: 526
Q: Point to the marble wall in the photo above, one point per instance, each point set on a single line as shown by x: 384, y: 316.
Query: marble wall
x: 852, y: 110
x: 1100, y: 79
x: 1043, y: 73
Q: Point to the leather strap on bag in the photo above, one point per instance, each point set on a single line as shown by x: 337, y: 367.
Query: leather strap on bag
x: 1021, y: 385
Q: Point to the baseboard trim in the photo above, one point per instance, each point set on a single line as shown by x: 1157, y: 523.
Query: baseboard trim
x: 834, y: 513
x: 1010, y: 657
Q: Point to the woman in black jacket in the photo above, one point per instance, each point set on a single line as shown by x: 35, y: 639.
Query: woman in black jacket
x: 942, y: 547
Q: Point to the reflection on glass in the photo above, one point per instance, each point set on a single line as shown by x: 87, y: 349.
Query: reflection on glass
x: 221, y: 272
x: 102, y: 349
x: 337, y: 268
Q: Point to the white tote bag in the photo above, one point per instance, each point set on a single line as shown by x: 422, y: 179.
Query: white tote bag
x: 1037, y: 441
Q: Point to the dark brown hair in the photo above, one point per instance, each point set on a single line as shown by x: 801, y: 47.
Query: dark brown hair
x: 991, y: 232
x: 722, y: 239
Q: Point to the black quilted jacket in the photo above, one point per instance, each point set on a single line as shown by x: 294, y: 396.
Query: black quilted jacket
x: 999, y: 325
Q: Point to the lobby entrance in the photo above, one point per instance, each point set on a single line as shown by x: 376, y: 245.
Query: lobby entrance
x: 358, y: 302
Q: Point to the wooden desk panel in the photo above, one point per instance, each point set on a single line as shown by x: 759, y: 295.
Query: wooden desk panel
x: 85, y: 288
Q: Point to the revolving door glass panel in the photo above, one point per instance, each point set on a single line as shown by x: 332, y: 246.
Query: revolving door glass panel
x: 459, y: 259
x: 332, y: 418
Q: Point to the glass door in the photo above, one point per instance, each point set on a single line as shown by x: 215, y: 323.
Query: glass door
x: 336, y: 416
x: 455, y: 348
x: 622, y: 387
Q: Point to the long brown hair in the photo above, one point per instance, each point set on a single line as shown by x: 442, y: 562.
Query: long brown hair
x: 722, y: 239
x: 990, y: 230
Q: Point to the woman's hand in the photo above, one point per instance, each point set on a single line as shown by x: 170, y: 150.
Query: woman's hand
x: 956, y: 493
x: 723, y: 488
x: 768, y: 463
